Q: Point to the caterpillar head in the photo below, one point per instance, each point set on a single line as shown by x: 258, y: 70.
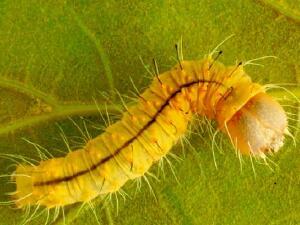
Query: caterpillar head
x: 259, y: 126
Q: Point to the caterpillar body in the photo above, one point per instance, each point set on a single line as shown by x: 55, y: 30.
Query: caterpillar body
x: 254, y: 122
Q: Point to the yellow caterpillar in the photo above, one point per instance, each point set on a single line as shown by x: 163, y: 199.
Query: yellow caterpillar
x: 254, y: 122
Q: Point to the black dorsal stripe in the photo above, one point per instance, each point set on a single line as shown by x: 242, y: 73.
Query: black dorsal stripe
x: 127, y: 143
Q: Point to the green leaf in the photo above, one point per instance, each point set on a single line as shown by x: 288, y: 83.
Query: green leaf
x: 57, y: 58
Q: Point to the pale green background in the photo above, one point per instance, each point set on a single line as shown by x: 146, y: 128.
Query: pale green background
x: 72, y: 51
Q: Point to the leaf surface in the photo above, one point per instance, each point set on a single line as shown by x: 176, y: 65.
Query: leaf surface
x: 57, y: 58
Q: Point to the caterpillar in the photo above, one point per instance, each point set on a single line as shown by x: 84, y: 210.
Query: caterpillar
x: 254, y: 122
